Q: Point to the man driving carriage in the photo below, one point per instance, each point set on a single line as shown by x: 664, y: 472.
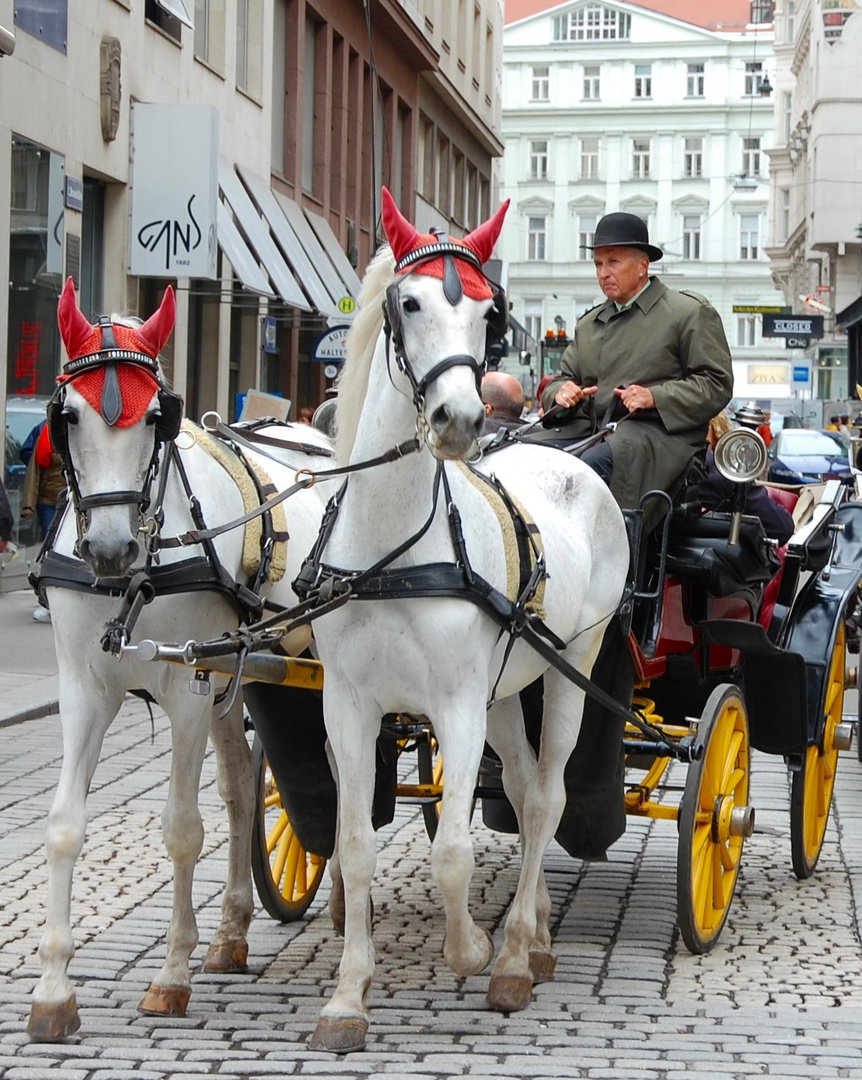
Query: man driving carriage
x: 653, y: 361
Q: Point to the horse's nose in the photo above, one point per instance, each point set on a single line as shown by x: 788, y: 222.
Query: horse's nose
x: 443, y: 418
x: 108, y: 560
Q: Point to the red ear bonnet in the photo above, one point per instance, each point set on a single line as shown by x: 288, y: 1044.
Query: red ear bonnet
x: 404, y: 238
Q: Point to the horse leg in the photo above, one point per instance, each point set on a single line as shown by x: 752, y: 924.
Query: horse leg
x: 343, y: 1021
x: 228, y: 950
x: 85, y: 717
x: 507, y: 734
x: 183, y: 835
x: 544, y: 799
x: 467, y: 948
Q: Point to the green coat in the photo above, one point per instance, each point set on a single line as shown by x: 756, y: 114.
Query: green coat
x: 672, y: 342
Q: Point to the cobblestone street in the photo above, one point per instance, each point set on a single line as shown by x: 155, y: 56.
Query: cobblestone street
x: 780, y: 995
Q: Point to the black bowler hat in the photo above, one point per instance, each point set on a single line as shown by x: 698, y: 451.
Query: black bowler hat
x: 624, y: 230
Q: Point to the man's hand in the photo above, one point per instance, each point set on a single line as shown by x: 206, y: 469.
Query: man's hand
x: 570, y: 394
x: 26, y: 512
x: 3, y: 545
x: 636, y: 397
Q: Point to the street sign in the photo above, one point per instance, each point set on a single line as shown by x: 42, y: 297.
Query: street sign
x: 797, y: 342
x: 812, y: 302
x: 801, y: 373
x: 331, y: 346
x: 810, y: 326
x: 347, y: 305
x: 330, y: 371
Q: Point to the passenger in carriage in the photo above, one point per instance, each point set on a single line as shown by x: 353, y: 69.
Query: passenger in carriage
x: 653, y: 360
x: 503, y: 398
x: 716, y: 491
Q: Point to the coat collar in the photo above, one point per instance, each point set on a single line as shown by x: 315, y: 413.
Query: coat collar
x: 646, y: 301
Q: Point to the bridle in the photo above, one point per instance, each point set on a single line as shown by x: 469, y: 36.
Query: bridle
x: 165, y: 429
x: 453, y: 290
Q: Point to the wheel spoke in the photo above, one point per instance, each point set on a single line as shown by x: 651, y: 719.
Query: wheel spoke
x: 274, y: 836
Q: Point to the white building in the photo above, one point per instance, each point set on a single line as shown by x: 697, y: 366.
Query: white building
x: 815, y: 235
x: 619, y: 106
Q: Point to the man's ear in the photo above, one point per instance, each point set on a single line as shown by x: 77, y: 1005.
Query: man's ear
x: 488, y: 409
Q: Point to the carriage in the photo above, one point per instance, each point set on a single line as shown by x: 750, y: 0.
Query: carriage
x: 732, y: 645
x: 728, y: 644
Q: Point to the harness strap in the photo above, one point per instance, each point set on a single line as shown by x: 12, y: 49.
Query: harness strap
x: 253, y: 440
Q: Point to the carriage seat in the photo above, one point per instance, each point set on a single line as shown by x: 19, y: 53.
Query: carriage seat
x: 699, y: 550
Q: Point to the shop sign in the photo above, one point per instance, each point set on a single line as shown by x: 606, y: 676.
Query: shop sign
x: 174, y: 191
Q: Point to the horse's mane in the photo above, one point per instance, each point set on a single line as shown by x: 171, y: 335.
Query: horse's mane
x: 361, y: 342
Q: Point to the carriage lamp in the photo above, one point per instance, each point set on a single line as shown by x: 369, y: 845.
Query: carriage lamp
x: 740, y: 456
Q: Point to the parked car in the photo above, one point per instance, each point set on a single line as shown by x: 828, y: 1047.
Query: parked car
x: 801, y: 456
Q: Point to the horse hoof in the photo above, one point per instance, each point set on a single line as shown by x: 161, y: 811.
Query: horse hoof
x: 542, y: 966
x: 53, y: 1023
x: 339, y: 1036
x: 165, y: 1001
x: 474, y: 963
x: 227, y: 958
x: 509, y: 993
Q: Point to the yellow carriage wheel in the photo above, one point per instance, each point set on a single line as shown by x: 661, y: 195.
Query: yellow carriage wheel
x: 286, y: 876
x: 813, y: 785
x: 714, y: 820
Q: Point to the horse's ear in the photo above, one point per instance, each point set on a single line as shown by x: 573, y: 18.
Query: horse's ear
x: 483, y: 238
x: 402, y: 236
x: 75, y: 329
x: 157, y: 329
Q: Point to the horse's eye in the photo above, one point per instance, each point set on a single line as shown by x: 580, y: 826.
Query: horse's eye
x: 152, y: 418
x: 70, y: 416
x: 411, y: 305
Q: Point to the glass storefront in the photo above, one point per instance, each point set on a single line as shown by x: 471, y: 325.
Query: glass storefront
x: 35, y: 268
x: 831, y: 373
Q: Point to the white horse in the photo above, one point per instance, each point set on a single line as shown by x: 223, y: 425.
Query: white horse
x: 116, y: 412
x: 442, y: 657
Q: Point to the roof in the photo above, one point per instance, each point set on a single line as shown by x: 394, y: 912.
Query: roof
x: 709, y: 14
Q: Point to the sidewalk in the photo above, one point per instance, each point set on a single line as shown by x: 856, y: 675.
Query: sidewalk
x: 28, y: 673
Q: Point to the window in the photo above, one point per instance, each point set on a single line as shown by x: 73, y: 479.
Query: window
x: 209, y: 34
x: 640, y: 158
x: 164, y: 19
x: 308, y: 133
x: 694, y: 80
x: 540, y: 83
x: 643, y: 80
x: 789, y: 22
x: 746, y: 331
x: 787, y: 114
x: 761, y: 11
x: 539, y: 159
x: 751, y: 157
x: 589, y: 159
x: 592, y: 75
x: 593, y: 22
x: 693, y: 157
x: 753, y: 77
x: 691, y: 236
x: 586, y: 235
x: 536, y: 238
x: 785, y: 214
x: 533, y: 309
x: 249, y: 46
x: 749, y: 228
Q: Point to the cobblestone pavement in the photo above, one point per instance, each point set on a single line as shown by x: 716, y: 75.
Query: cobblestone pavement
x: 779, y: 996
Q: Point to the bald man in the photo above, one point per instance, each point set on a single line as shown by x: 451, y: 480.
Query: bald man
x: 503, y: 396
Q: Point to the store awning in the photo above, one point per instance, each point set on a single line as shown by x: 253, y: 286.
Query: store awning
x: 309, y: 265
x: 259, y: 238
x: 329, y: 242
x: 238, y: 255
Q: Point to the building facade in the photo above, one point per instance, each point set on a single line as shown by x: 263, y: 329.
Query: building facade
x: 658, y: 110
x: 815, y: 233
x: 234, y: 149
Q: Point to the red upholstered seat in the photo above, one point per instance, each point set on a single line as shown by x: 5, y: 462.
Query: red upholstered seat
x: 788, y: 499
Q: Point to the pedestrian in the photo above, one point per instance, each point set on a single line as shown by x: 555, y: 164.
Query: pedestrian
x: 44, y: 482
x: 305, y: 415
x: 503, y: 397
x: 764, y: 430
x: 652, y: 360
x: 7, y: 521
